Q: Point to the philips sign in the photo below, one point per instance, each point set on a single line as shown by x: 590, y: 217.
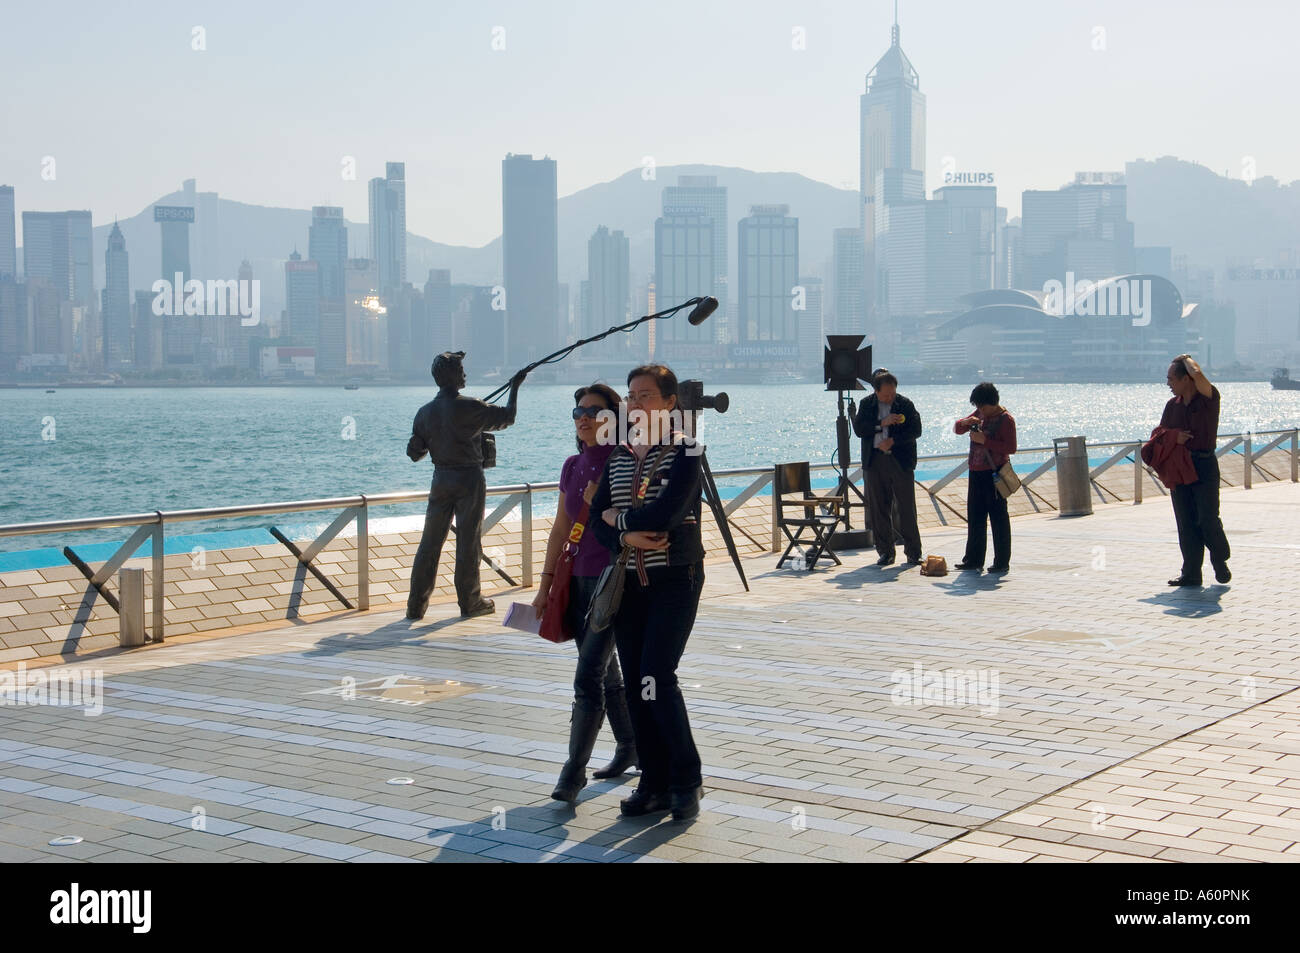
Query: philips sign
x: 968, y: 178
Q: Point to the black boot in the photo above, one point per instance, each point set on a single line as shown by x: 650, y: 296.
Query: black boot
x: 620, y: 722
x: 584, y: 726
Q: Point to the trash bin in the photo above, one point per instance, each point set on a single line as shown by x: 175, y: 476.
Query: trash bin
x: 1073, y: 488
x: 131, y: 607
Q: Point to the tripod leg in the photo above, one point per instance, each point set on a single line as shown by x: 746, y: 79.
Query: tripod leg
x: 715, y: 504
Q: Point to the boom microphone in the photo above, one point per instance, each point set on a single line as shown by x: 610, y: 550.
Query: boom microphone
x: 703, y: 310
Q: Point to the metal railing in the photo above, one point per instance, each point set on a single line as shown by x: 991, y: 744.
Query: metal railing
x: 356, y: 509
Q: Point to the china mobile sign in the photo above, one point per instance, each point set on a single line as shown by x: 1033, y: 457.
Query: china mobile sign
x: 1114, y: 298
x: 241, y: 297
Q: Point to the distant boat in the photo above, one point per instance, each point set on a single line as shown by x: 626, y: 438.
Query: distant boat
x: 1282, y: 380
x: 353, y: 384
x: 782, y: 377
x: 49, y: 390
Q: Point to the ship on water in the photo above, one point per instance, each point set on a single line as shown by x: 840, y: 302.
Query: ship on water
x: 1282, y: 380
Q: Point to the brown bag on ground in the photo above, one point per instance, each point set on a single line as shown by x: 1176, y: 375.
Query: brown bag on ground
x: 934, y: 566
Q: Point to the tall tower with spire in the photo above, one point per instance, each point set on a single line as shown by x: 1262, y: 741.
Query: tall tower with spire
x: 117, y: 302
x: 892, y: 128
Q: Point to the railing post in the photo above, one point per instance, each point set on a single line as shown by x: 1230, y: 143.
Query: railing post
x: 1295, y: 455
x: 527, y: 530
x: 1137, y: 473
x: 363, y: 555
x: 158, y: 572
x: 1246, y: 477
x: 776, y: 516
x: 130, y: 614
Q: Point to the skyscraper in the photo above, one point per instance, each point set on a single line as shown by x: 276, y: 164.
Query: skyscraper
x: 118, y: 348
x: 147, y: 336
x: 850, y: 299
x: 607, y: 297
x: 811, y: 332
x: 892, y: 136
x: 327, y: 245
x: 302, y: 301
x: 530, y: 249
x: 899, y: 208
x: 181, y: 334
x: 961, y: 232
x: 366, y: 313
x: 8, y: 239
x: 388, y: 226
x: 703, y: 195
x: 1082, y: 228
x: 684, y: 269
x: 437, y: 333
x: 767, y: 259
x: 13, y: 323
x: 57, y: 247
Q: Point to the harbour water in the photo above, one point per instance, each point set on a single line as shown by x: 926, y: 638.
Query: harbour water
x: 91, y: 452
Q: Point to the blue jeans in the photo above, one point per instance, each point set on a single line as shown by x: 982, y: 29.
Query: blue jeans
x: 596, y: 677
x: 651, y: 629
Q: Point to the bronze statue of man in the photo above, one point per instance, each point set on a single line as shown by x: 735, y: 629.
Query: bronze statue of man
x: 450, y: 430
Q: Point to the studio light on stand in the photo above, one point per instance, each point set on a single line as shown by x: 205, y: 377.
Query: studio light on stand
x: 845, y: 365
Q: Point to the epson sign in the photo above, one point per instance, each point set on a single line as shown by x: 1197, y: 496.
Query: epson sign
x: 968, y: 178
x: 173, y: 213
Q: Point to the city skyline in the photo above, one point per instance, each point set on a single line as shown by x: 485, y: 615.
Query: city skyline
x: 1123, y: 93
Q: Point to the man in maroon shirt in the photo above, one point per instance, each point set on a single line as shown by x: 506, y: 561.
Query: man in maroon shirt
x: 1193, y: 411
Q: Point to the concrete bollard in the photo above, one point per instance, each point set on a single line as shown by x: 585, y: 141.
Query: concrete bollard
x: 131, y: 607
x: 1073, y: 488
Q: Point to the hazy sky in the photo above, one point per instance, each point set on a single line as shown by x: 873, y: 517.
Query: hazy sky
x: 265, y: 114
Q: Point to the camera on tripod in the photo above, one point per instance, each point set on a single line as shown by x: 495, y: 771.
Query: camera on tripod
x: 691, y: 396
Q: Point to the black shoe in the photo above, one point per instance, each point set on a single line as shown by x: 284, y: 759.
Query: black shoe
x: 1222, y: 573
x: 413, y: 616
x: 913, y: 561
x: 569, y: 785
x: 686, y: 804
x: 624, y: 758
x: 969, y: 567
x: 486, y: 607
x: 643, y: 802
x: 999, y: 569
x: 885, y: 561
x: 1184, y: 581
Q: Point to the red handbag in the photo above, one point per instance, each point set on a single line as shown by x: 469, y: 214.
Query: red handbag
x: 555, y: 618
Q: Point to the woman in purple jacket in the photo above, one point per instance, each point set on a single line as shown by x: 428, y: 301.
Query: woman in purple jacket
x: 597, y: 685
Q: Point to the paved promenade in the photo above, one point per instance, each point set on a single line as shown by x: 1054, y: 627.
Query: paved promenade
x: 1089, y: 713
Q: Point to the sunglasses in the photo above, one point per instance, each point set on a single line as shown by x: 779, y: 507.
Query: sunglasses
x: 592, y: 412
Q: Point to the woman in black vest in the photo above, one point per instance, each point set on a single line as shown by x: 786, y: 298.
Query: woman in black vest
x: 660, y: 468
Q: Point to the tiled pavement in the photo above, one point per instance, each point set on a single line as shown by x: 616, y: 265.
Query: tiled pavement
x: 1126, y: 722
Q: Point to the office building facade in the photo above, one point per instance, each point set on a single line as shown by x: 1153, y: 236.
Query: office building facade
x: 8, y: 237
x: 701, y: 195
x: 388, y: 226
x: 530, y: 253
x: 767, y: 257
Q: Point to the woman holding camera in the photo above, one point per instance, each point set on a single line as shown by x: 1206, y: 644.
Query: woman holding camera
x: 649, y: 500
x: 992, y: 441
x: 597, y: 684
